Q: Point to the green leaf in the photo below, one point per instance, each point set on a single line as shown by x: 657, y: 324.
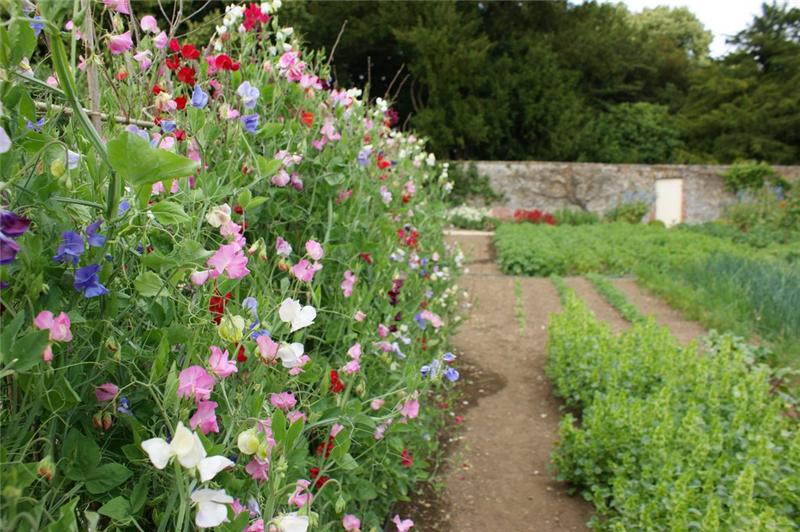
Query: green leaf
x: 293, y: 433
x: 22, y: 39
x: 279, y: 426
x: 267, y: 167
x: 364, y: 490
x: 107, y: 477
x: 139, y: 495
x: 9, y: 332
x: 141, y: 165
x: 80, y: 455
x: 270, y: 129
x: 148, y: 284
x: 27, y: 351
x: 66, y: 519
x: 169, y: 212
x: 255, y: 202
x: 347, y: 462
x: 117, y: 508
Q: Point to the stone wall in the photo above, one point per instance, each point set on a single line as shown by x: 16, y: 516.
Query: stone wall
x: 600, y: 187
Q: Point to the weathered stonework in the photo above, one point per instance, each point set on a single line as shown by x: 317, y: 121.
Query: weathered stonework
x: 600, y: 187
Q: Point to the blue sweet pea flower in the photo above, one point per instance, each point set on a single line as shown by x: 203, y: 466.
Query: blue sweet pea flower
x: 448, y: 357
x: 250, y: 122
x: 260, y: 332
x: 249, y: 94
x: 95, y: 238
x: 88, y: 281
x: 136, y: 130
x: 71, y: 247
x: 421, y: 323
x: 363, y: 155
x: 451, y: 374
x: 199, y: 98
x: 34, y: 126
x: 37, y: 25
x: 123, y: 208
x: 431, y: 370
x: 168, y: 126
x: 124, y: 405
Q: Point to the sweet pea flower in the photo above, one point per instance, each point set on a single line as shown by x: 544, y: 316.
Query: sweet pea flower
x: 160, y: 41
x: 120, y: 6
x: 403, y: 525
x: 347, y: 284
x: 284, y: 400
x: 434, y: 320
x: 188, y: 449
x: 119, y: 44
x: 229, y: 259
x: 231, y: 328
x: 282, y: 247
x: 58, y: 326
x: 195, y: 382
x: 149, y: 24
x: 292, y: 522
x: 298, y: 316
x: 314, y: 250
x: 281, y: 179
x: 205, y: 417
x: 106, y: 392
x: 351, y: 523
x: 267, y: 348
x: 212, y: 509
x: 304, y: 271
x: 410, y: 409
x: 199, y: 98
x: 87, y: 281
x: 220, y: 364
x: 383, y: 330
x: 359, y: 316
x: 248, y: 94
x: 250, y: 122
x: 5, y: 141
x: 301, y: 495
x: 258, y: 469
x: 70, y: 248
x: 219, y: 215
x: 144, y: 59
x: 200, y: 277
x: 291, y: 355
x: 376, y: 404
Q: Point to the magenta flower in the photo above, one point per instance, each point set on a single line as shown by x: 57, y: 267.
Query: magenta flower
x: 220, y: 364
x: 161, y: 40
x: 314, y: 249
x: 355, y: 351
x: 106, y: 392
x: 231, y: 260
x: 410, y: 409
x: 376, y: 404
x: 149, y: 24
x: 305, y: 271
x: 351, y: 523
x: 119, y: 44
x: 59, y: 326
x: 347, y: 284
x: 267, y: 348
x: 336, y: 429
x: 258, y: 469
x: 282, y: 247
x: 403, y: 525
x: 284, y: 400
x: 383, y: 330
x: 354, y: 366
x: 120, y: 6
x: 195, y: 382
x: 205, y: 417
x: 301, y: 495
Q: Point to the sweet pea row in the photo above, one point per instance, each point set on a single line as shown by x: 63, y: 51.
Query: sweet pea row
x: 169, y: 357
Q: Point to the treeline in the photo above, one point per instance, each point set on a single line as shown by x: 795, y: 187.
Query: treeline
x: 559, y: 81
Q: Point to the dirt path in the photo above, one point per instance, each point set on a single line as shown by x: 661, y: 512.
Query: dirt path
x: 498, y: 479
x: 602, y: 310
x: 684, y: 330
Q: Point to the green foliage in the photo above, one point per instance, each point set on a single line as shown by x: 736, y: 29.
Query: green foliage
x: 470, y: 184
x: 615, y: 298
x: 667, y: 439
x: 630, y: 212
x: 575, y: 217
x: 751, y: 176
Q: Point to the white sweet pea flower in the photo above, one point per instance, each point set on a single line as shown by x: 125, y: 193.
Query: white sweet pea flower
x: 219, y: 215
x: 211, y: 507
x: 188, y: 449
x: 292, y: 312
x: 292, y: 523
x: 290, y: 354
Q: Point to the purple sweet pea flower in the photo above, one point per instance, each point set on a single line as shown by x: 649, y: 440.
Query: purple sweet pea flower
x: 37, y: 25
x: 421, y: 323
x: 199, y: 98
x: 168, y: 126
x: 363, y: 155
x: 124, y: 205
x: 250, y: 122
x: 11, y: 226
x: 88, y: 282
x: 95, y: 239
x: 249, y: 94
x: 71, y: 247
x: 451, y: 374
x: 34, y: 126
x: 136, y: 130
x: 448, y: 357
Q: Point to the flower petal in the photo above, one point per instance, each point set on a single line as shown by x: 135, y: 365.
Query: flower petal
x: 209, y: 467
x: 159, y: 452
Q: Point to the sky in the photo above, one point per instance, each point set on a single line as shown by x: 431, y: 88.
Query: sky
x: 723, y: 17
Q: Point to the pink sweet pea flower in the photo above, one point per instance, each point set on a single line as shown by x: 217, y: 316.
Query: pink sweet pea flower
x: 336, y: 429
x: 267, y: 348
x: 59, y: 326
x: 301, y: 495
x: 281, y: 179
x: 314, y: 250
x: 143, y: 58
x: 347, y: 284
x: 294, y: 416
x: 230, y: 259
x: 120, y: 6
x: 282, y: 247
x: 435, y: 320
x: 195, y: 382
x: 205, y: 417
x: 355, y: 351
x: 70, y: 26
x: 359, y: 316
x: 354, y: 366
x: 351, y: 523
x: 298, y: 369
x: 402, y: 525
x: 258, y: 469
x: 220, y: 364
x: 199, y: 278
x: 305, y: 271
x: 410, y: 409
x: 284, y: 400
x: 149, y: 23
x: 47, y: 354
x: 255, y: 526
x: 106, y: 392
x: 118, y: 44
x: 376, y: 404
x: 161, y: 40
x: 383, y: 330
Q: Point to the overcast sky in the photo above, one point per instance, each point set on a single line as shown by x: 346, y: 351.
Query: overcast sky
x: 723, y: 17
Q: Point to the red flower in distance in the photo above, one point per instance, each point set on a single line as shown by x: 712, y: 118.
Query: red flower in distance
x: 313, y: 473
x: 336, y: 385
x: 180, y: 134
x: 307, y: 118
x: 180, y: 102
x: 121, y: 75
x: 173, y: 62
x: 366, y: 257
x: 174, y: 45
x: 224, y: 62
x: 186, y: 75
x: 406, y: 460
x: 240, y: 354
x: 188, y: 51
x: 253, y: 17
x: 216, y: 306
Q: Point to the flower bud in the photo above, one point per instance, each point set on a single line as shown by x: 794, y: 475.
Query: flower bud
x: 112, y: 345
x: 46, y: 468
x: 107, y: 421
x: 283, y: 266
x: 57, y: 167
x: 340, y: 504
x: 97, y: 421
x: 248, y: 442
x: 231, y: 328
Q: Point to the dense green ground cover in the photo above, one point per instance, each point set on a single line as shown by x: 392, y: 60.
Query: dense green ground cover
x: 668, y: 440
x: 728, y: 286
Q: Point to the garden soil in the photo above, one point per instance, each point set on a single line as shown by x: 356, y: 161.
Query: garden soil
x: 599, y: 306
x: 497, y: 476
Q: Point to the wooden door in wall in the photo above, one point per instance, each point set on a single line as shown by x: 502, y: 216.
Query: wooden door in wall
x: 669, y: 201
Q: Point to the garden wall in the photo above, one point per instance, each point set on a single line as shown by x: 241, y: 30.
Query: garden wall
x: 599, y: 187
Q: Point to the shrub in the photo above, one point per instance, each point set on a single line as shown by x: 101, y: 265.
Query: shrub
x: 223, y: 312
x: 669, y: 440
x: 470, y: 185
x: 752, y: 176
x: 630, y: 212
x: 575, y: 217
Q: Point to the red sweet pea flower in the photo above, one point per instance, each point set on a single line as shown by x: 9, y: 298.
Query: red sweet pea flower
x: 336, y: 385
x: 188, y: 51
x: 313, y: 473
x: 366, y: 257
x: 325, y: 447
x: 240, y: 354
x: 307, y: 118
x: 186, y: 75
x: 174, y: 45
x: 238, y: 209
x: 253, y: 17
x: 406, y: 460
x: 121, y: 75
x: 173, y: 62
x: 224, y: 62
x: 157, y: 89
x: 382, y: 163
x: 180, y: 134
x: 180, y: 102
x: 216, y: 306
